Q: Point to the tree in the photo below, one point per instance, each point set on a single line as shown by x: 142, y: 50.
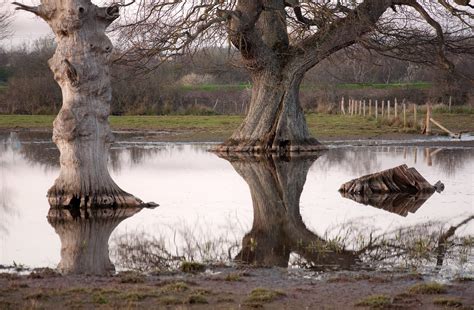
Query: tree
x: 81, y: 129
x: 280, y: 40
x: 5, y: 20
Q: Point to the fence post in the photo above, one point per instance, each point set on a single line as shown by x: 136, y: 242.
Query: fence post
x: 450, y: 101
x: 388, y: 108
x: 404, y: 115
x: 360, y: 107
x: 414, y: 116
x: 383, y: 108
x: 396, y: 108
x: 370, y: 107
x: 428, y: 116
x: 376, y: 108
x: 342, y: 106
x: 364, y: 107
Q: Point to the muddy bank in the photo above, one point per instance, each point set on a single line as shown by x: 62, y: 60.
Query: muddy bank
x: 186, y: 136
x: 234, y: 288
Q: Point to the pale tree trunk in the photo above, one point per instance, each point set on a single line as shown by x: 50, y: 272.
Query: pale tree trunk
x: 85, y: 236
x: 278, y: 229
x: 81, y: 129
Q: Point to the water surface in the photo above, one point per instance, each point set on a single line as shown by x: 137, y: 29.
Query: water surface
x: 206, y: 208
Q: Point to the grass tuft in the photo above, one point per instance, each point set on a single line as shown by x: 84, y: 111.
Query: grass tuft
x: 431, y: 288
x: 175, y: 287
x: 264, y: 295
x: 374, y: 301
x: 192, y: 267
x: 233, y: 277
x: 448, y: 302
x: 131, y: 277
x: 197, y: 299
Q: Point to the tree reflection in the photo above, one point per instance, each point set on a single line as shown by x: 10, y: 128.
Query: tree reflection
x: 84, y: 235
x: 278, y: 229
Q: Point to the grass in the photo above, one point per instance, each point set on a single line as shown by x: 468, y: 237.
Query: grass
x: 220, y: 127
x: 414, y: 85
x: 241, y: 86
x: 263, y: 295
x: 374, y: 301
x: 448, y: 302
x: 215, y: 87
x: 175, y: 287
x: 233, y: 277
x: 197, y: 299
x: 192, y: 267
x: 432, y: 288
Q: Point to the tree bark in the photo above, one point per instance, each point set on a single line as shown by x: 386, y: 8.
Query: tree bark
x: 85, y: 236
x: 81, y: 130
x: 275, y: 121
x: 278, y: 229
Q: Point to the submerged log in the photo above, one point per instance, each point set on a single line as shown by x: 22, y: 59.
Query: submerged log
x: 400, y: 179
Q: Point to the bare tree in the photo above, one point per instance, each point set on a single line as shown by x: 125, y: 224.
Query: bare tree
x: 280, y: 40
x: 5, y: 20
x: 81, y: 129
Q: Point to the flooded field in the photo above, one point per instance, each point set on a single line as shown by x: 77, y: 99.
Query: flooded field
x: 264, y: 211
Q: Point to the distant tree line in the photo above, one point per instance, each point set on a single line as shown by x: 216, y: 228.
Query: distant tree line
x: 212, y: 81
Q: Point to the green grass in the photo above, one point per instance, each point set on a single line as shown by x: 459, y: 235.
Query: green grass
x: 432, y: 288
x: 242, y: 86
x: 264, y: 295
x: 215, y: 87
x: 414, y: 85
x: 220, y: 127
x: 374, y: 301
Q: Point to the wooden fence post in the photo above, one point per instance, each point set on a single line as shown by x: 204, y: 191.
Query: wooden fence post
x: 428, y: 116
x: 450, y: 102
x: 404, y: 115
x: 414, y: 116
x: 388, y: 108
x: 370, y: 107
x: 396, y: 108
x: 364, y: 107
x: 376, y: 108
x: 383, y: 108
x: 343, y: 110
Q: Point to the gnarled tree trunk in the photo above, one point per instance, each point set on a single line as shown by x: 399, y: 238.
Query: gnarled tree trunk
x: 85, y: 237
x: 81, y: 130
x: 278, y: 229
x: 275, y: 121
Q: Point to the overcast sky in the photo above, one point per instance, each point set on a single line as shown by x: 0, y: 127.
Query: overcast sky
x: 27, y: 27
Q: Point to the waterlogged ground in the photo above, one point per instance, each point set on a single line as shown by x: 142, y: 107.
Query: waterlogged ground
x: 207, y: 215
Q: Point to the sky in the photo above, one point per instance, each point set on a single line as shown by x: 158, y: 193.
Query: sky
x: 26, y: 27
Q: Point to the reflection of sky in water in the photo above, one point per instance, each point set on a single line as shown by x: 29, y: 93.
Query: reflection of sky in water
x: 201, y: 193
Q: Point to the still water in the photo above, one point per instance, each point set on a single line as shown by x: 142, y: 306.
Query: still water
x: 268, y: 211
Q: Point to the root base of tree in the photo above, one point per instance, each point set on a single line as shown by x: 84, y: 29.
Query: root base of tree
x: 283, y: 147
x: 82, y: 201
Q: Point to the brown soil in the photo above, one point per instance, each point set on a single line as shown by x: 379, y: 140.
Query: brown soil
x: 229, y: 288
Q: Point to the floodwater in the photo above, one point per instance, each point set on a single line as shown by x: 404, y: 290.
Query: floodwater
x: 267, y: 211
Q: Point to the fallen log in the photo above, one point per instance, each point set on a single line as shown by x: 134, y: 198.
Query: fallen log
x: 400, y: 179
